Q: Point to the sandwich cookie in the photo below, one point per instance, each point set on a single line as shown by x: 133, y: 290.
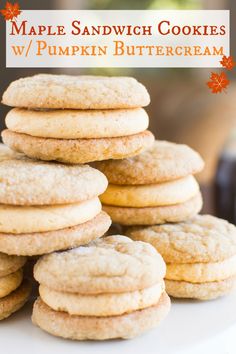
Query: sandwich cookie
x: 200, y: 255
x: 111, y: 288
x: 47, y: 207
x: 154, y: 187
x: 81, y: 118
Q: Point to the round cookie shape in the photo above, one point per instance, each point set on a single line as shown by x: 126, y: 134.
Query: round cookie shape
x: 29, y: 219
x: 10, y: 264
x: 163, y: 161
x: 204, y: 238
x: 14, y: 301
x: 73, y: 124
x: 200, y: 291
x: 102, y: 304
x: 108, y: 265
x: 39, y: 243
x: 76, y: 151
x: 76, y: 92
x: 30, y: 182
x: 154, y: 215
x: 10, y: 282
x: 129, y: 325
x: 160, y: 194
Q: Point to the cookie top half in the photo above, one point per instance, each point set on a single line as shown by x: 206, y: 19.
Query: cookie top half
x: 10, y: 264
x: 109, y: 265
x: 204, y: 238
x: 76, y: 92
x: 24, y: 181
x: 164, y: 161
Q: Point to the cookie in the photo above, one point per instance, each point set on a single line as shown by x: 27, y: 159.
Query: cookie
x: 76, y: 92
x: 10, y: 282
x: 14, y: 301
x: 29, y: 219
x: 161, y: 194
x: 108, y: 265
x: 10, y: 264
x: 101, y: 305
x: 99, y: 328
x: 202, y: 272
x: 46, y: 242
x: 154, y: 215
x: 31, y: 182
x: 73, y: 124
x: 163, y: 161
x: 78, y: 150
x: 200, y: 291
x: 202, y: 239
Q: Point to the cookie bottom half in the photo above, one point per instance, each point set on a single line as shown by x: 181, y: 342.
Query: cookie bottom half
x: 200, y: 291
x: 99, y: 328
x: 78, y: 150
x: 155, y: 215
x: 38, y: 243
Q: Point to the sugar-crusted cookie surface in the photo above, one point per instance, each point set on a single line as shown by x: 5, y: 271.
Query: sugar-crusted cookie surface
x: 76, y: 92
x: 29, y: 219
x: 163, y: 161
x: 166, y: 193
x: 32, y: 244
x: 10, y: 264
x: 204, y: 238
x: 15, y: 300
x: 99, y: 328
x: 30, y: 182
x: 77, y: 124
x: 108, y: 265
x: 155, y: 215
x: 200, y: 291
x: 77, y: 151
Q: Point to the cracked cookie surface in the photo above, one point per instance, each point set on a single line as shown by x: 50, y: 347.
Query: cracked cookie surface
x: 163, y: 161
x: 76, y: 92
x: 204, y: 238
x: 107, y: 265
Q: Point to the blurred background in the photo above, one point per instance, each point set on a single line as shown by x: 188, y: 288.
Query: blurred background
x: 182, y: 108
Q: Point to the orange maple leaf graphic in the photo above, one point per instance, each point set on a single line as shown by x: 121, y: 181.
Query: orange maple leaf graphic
x: 11, y: 11
x: 218, y: 82
x: 228, y: 62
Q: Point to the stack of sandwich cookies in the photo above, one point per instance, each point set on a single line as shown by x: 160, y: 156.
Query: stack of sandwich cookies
x: 111, y: 288
x: 48, y: 206
x: 14, y: 291
x: 77, y: 119
x: 154, y: 187
x: 200, y: 255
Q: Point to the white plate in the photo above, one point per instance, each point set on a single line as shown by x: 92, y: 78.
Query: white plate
x: 189, y: 324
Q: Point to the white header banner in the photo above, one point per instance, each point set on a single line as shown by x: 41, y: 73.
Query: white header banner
x: 118, y: 38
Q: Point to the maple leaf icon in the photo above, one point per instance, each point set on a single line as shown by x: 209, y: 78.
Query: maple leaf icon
x: 228, y: 62
x: 11, y: 11
x: 218, y: 82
